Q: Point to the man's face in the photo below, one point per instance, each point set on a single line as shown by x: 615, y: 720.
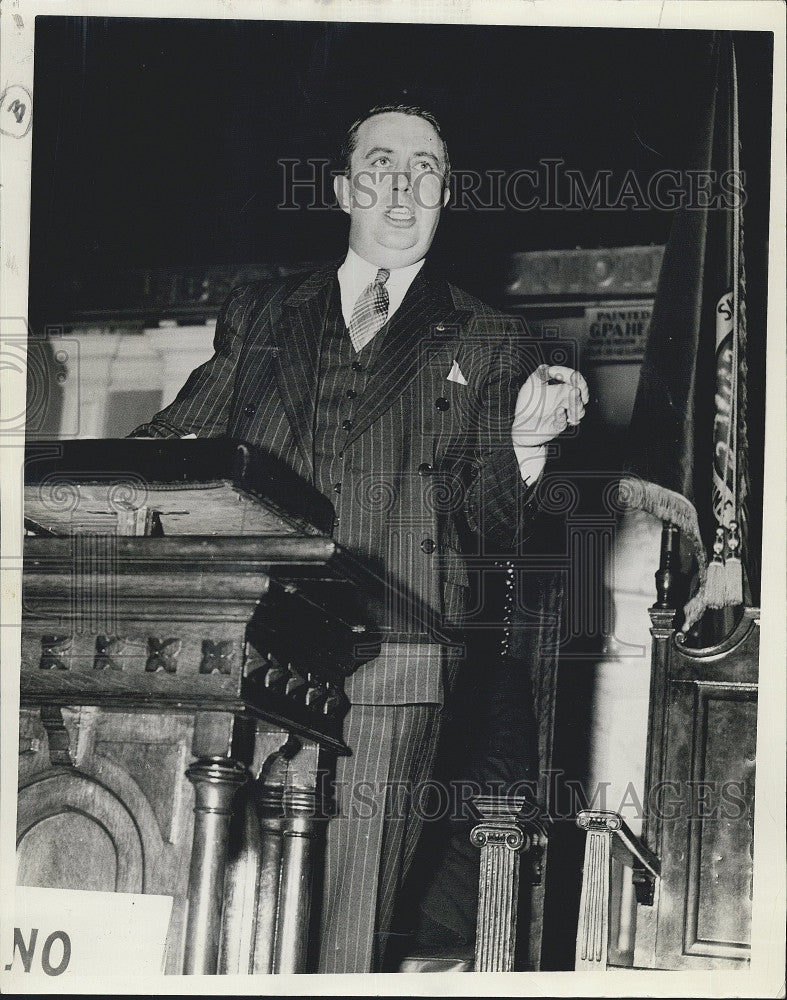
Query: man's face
x: 395, y: 190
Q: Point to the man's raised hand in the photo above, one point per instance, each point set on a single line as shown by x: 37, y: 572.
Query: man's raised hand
x: 552, y: 398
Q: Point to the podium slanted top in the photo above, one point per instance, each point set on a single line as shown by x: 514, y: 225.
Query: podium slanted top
x: 139, y: 486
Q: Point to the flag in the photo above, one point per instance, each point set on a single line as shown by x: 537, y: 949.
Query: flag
x: 688, y: 449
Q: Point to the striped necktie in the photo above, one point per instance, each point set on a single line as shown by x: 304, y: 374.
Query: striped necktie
x: 370, y: 311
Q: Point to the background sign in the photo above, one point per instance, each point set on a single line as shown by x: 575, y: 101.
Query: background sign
x: 617, y: 331
x: 59, y: 933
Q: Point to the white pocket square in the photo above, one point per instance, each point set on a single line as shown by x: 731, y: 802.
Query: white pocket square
x: 455, y: 375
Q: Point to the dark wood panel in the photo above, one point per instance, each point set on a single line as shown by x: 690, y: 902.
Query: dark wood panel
x: 718, y: 910
x: 701, y: 778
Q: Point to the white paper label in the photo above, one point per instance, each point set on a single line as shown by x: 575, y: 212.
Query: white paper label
x: 60, y: 933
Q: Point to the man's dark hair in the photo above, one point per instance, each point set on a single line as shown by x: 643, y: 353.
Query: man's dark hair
x: 351, y: 139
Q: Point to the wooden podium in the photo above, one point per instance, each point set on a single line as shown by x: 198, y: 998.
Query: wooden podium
x: 187, y: 627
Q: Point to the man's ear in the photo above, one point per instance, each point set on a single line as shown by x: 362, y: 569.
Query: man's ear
x: 446, y: 195
x: 341, y: 188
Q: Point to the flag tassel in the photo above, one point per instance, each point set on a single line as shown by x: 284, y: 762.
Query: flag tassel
x: 716, y: 580
x: 733, y: 570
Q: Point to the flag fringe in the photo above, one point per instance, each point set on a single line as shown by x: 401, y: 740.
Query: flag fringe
x: 715, y: 584
x: 733, y: 581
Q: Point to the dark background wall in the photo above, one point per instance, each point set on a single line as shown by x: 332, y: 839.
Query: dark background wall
x: 156, y: 141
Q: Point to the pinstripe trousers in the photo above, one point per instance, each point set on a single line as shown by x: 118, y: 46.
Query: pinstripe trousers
x: 393, y: 750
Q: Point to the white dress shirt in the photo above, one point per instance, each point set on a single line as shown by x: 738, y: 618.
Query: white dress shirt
x: 355, y: 274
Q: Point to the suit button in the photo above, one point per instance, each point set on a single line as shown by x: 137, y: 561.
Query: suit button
x: 249, y: 410
x: 442, y: 404
x: 424, y: 469
x: 428, y: 546
x: 356, y: 366
x: 337, y: 487
x: 347, y: 424
x: 351, y: 393
x: 336, y: 522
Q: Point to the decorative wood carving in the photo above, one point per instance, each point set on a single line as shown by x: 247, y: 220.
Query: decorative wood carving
x: 114, y: 652
x: 163, y: 654
x: 207, y: 593
x: 607, y: 834
x: 667, y: 573
x: 219, y: 657
x: 501, y: 835
x: 179, y: 657
x: 254, y: 872
x: 240, y: 916
x: 155, y: 762
x: 55, y: 652
x: 268, y: 799
x: 593, y: 926
x: 319, y: 695
x: 297, y: 860
x: 302, y: 814
x: 268, y: 883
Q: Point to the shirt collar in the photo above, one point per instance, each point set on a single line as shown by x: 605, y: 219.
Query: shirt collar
x: 355, y: 274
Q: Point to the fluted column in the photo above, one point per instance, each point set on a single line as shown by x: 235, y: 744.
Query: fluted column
x: 593, y: 926
x: 215, y: 780
x: 501, y: 837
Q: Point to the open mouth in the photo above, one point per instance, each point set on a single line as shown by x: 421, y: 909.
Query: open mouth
x: 400, y: 216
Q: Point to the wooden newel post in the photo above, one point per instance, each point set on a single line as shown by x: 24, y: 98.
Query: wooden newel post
x: 668, y: 571
x: 215, y: 780
x: 298, y: 836
x: 501, y: 837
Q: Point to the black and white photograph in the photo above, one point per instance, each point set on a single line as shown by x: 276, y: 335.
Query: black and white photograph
x: 393, y: 484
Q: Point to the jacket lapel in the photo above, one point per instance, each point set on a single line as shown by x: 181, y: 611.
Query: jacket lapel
x: 426, y: 318
x: 297, y: 337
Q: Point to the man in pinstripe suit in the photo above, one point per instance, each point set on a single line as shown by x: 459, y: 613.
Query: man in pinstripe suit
x: 409, y: 403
